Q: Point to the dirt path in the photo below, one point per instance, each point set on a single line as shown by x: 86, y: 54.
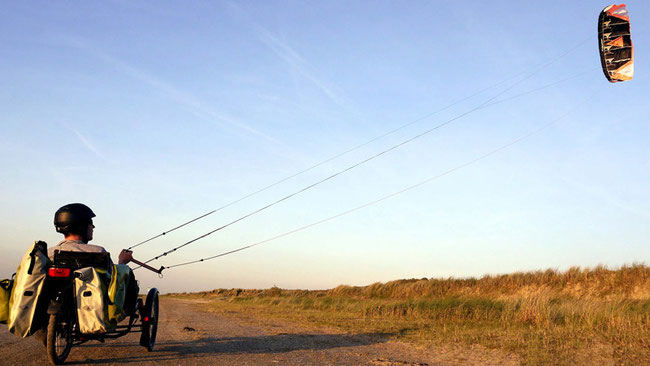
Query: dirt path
x: 189, y: 336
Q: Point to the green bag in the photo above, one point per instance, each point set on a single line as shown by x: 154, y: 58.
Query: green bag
x: 5, y: 295
x: 117, y: 293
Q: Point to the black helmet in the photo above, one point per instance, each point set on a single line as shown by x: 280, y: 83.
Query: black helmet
x: 73, y: 218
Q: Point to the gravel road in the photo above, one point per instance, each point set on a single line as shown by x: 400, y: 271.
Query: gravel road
x: 189, y: 336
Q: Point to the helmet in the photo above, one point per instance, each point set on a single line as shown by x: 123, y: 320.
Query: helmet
x: 73, y: 218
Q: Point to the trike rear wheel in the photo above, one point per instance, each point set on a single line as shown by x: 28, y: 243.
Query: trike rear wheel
x: 59, y: 339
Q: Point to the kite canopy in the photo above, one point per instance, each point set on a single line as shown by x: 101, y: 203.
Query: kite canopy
x: 615, y: 43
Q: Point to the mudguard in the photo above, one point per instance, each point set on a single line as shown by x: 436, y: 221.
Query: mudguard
x: 54, y: 307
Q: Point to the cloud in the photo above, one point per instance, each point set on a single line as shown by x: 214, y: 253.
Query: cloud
x: 87, y: 143
x: 298, y: 64
x: 291, y: 57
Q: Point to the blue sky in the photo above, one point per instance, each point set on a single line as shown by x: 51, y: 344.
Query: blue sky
x: 154, y: 113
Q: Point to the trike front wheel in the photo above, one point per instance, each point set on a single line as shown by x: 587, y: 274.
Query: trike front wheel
x: 150, y: 320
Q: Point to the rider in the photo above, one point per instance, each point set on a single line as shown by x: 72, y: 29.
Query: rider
x: 75, y: 222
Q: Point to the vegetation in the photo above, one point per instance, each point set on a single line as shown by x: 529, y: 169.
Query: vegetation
x: 578, y: 316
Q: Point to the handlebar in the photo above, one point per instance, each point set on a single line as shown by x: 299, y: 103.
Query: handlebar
x: 143, y: 265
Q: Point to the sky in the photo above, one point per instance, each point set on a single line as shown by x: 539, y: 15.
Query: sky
x: 153, y: 113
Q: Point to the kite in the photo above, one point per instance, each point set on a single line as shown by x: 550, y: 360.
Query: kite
x: 615, y: 43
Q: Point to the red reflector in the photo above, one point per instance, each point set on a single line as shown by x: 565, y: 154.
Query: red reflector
x: 146, y: 318
x: 59, y: 272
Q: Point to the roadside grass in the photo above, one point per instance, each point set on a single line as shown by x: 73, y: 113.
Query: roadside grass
x: 579, y: 316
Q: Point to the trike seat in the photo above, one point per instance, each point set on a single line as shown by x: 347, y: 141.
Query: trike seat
x: 77, y: 260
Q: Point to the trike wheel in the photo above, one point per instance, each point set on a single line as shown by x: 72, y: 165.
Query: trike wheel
x: 150, y: 320
x: 59, y: 339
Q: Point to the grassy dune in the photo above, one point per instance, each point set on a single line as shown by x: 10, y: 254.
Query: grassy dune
x: 580, y: 316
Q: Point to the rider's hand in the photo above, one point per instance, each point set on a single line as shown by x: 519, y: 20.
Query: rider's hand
x: 125, y: 257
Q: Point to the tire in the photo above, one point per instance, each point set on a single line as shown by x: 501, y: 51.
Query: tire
x: 150, y: 320
x: 59, y: 340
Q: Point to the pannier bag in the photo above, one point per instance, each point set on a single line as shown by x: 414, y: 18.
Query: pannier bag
x: 5, y: 295
x: 100, y: 298
x: 26, y: 312
x: 90, y: 293
x: 117, y: 293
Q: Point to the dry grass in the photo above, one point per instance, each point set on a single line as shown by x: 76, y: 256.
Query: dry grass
x: 580, y: 316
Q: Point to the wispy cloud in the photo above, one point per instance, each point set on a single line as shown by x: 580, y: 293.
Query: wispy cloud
x: 292, y: 58
x: 184, y: 99
x: 298, y: 64
x: 87, y: 143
